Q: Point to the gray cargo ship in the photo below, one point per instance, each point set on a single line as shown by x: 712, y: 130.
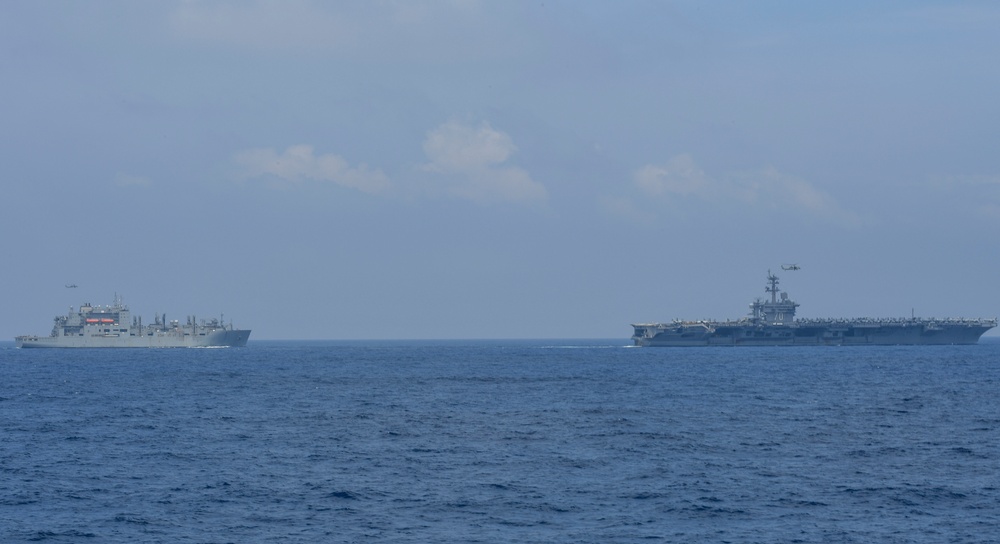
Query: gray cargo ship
x: 115, y: 327
x: 772, y: 323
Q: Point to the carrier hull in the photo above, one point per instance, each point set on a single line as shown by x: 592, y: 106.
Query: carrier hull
x: 773, y: 323
x: 674, y: 335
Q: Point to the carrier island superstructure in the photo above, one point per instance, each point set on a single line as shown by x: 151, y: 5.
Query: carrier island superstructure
x: 115, y: 327
x: 773, y: 323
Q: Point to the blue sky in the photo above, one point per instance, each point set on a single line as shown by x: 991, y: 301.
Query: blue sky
x: 467, y: 169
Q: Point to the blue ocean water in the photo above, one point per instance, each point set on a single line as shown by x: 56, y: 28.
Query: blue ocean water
x: 500, y: 441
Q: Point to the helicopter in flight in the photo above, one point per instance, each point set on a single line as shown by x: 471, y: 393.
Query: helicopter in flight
x: 790, y: 267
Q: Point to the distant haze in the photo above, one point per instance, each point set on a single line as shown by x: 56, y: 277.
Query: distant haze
x: 473, y: 169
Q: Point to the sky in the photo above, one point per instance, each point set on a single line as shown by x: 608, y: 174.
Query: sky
x: 486, y: 169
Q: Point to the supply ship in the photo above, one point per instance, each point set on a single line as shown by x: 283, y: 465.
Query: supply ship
x: 773, y: 323
x: 115, y: 327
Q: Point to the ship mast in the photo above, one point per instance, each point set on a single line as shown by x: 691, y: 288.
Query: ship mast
x: 773, y: 287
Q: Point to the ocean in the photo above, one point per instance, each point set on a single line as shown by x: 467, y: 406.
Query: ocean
x: 500, y: 441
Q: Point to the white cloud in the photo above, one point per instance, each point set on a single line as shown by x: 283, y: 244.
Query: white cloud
x: 298, y: 164
x: 466, y: 161
x: 457, y: 146
x: 470, y: 162
x: 679, y: 176
x: 680, y: 179
x: 774, y: 190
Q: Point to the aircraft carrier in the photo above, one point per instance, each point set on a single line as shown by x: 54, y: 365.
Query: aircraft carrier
x: 773, y: 323
x: 115, y: 327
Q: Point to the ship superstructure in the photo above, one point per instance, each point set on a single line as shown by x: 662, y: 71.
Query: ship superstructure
x: 114, y: 326
x: 773, y: 323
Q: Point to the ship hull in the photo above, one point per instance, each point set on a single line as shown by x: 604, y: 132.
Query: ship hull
x: 884, y: 335
x: 214, y: 339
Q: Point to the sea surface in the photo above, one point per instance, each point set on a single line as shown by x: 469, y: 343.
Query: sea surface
x: 500, y: 441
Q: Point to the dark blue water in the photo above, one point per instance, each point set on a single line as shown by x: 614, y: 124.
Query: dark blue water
x: 540, y: 441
